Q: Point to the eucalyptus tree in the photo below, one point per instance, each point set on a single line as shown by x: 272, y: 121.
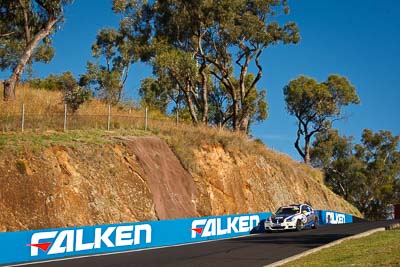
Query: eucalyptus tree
x: 365, y: 174
x: 119, y: 49
x: 240, y: 33
x: 316, y: 105
x: 153, y: 95
x: 222, y: 39
x: 26, y: 28
x: 118, y: 52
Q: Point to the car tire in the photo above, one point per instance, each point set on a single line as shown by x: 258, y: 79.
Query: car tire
x: 299, y: 225
x: 315, y: 224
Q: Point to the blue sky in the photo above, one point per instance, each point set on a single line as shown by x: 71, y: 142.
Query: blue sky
x: 358, y: 39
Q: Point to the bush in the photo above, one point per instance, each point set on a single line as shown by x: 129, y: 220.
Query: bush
x: 76, y: 96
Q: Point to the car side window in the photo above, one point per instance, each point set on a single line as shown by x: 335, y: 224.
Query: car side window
x: 306, y: 208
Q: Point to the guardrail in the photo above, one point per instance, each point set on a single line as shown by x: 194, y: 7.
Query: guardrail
x: 47, y: 244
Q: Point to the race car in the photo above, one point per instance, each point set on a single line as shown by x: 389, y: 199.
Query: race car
x: 292, y: 217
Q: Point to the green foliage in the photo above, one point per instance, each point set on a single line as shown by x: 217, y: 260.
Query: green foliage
x: 119, y: 49
x: 366, y: 174
x: 74, y: 95
x: 203, y: 50
x: 21, y: 22
x: 315, y: 105
x: 153, y: 95
x: 106, y: 83
x: 52, y: 82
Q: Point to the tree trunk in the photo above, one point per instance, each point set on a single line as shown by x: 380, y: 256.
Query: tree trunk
x: 235, y: 117
x: 307, y: 150
x: 9, y: 92
x: 11, y: 83
x: 190, y: 105
x: 297, y: 143
x: 204, y: 81
x: 244, y: 123
x: 307, y: 156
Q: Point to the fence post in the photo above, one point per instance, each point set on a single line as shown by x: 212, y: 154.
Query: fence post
x: 109, y: 117
x: 65, y: 117
x: 177, y: 117
x: 23, y: 118
x: 145, y: 119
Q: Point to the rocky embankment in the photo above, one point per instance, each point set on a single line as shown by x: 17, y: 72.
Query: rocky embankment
x: 140, y: 179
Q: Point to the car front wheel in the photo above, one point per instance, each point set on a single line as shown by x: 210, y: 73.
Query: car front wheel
x: 299, y: 225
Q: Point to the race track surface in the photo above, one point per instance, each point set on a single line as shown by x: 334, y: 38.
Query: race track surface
x: 253, y: 250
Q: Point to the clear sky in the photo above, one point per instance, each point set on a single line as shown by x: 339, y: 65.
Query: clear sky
x: 359, y: 39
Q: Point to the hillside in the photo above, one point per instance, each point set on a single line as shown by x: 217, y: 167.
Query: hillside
x: 86, y: 178
x: 51, y: 178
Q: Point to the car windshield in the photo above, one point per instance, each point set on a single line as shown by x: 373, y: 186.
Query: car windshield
x: 287, y: 211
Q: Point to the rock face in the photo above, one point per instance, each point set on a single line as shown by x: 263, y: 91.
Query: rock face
x: 141, y: 179
x: 239, y: 183
x: 172, y: 187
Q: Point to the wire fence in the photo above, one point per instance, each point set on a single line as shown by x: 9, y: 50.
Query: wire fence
x: 26, y: 121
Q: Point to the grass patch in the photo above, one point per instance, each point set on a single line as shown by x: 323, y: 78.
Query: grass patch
x: 379, y: 249
x: 37, y: 141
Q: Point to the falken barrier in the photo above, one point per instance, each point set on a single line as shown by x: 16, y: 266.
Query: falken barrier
x: 47, y: 244
x: 333, y: 217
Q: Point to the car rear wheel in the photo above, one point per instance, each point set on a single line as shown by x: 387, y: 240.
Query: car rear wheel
x: 315, y: 224
x: 299, y: 225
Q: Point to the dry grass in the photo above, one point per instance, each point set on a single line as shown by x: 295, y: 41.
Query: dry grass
x: 44, y: 111
x: 37, y: 101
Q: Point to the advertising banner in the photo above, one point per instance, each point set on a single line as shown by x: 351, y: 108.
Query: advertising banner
x: 333, y: 217
x: 28, y: 246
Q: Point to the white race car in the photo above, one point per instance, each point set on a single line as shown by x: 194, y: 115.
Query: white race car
x: 292, y: 217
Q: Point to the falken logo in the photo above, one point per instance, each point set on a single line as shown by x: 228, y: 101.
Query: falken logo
x: 335, y: 218
x: 58, y: 242
x: 224, y: 226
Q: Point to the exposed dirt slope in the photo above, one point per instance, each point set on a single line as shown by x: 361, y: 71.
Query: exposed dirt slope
x: 65, y: 186
x: 139, y: 179
x: 240, y: 183
x: 171, y: 185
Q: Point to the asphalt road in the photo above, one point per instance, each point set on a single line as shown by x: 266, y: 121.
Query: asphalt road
x: 253, y: 250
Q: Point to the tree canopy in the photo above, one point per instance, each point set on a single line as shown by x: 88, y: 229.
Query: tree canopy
x: 25, y: 30
x: 366, y: 174
x: 316, y: 105
x: 118, y: 52
x: 206, y: 47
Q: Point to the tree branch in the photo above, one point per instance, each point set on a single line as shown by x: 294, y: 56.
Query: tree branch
x: 297, y: 142
x: 26, y: 22
x: 3, y: 35
x: 260, y: 70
